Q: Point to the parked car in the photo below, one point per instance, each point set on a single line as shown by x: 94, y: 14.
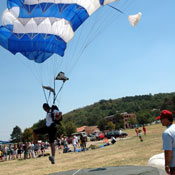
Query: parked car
x: 115, y: 133
x: 92, y: 137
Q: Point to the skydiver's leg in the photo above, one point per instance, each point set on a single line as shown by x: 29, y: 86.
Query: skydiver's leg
x: 52, y: 137
x: 52, y: 146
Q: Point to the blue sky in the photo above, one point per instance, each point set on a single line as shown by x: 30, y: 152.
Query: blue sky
x: 121, y: 61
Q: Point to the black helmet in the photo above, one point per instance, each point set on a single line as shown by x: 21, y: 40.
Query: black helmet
x: 46, y: 106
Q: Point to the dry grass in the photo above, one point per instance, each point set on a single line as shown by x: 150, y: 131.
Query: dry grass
x: 128, y: 151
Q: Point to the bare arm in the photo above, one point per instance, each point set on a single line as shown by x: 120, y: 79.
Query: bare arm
x: 167, y: 160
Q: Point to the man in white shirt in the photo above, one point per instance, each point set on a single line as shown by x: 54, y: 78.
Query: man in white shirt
x: 74, y: 143
x: 50, y: 128
x: 168, y: 138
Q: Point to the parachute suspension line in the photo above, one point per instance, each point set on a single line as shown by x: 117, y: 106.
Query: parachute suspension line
x: 29, y: 67
x: 101, y: 19
x: 74, y: 52
x: 84, y: 43
x: 92, y: 33
x: 55, y: 96
x: 49, y: 95
x: 109, y: 18
x: 96, y: 30
x: 115, y: 8
x: 45, y: 95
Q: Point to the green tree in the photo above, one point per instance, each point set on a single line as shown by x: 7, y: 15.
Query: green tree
x: 165, y: 104
x: 40, y: 124
x: 132, y: 121
x: 61, y: 129
x: 110, y: 126
x: 70, y: 128
x: 173, y: 101
x: 16, y: 135
x: 102, y: 124
x: 27, y: 135
x: 118, y: 118
x: 144, y: 117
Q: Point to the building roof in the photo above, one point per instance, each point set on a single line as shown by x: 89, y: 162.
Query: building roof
x: 91, y: 129
x: 108, y: 117
x: 88, y: 129
x: 82, y: 128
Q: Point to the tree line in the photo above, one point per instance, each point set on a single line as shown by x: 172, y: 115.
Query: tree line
x: 146, y: 108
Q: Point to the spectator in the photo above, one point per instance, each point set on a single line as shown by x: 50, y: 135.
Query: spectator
x: 140, y: 135
x: 14, y: 151
x: 25, y: 148
x: 33, y: 150
x: 136, y: 130
x: 10, y: 151
x: 59, y: 143
x: 168, y: 137
x: 42, y: 148
x: 62, y: 141
x: 66, y: 148
x: 4, y: 150
x: 36, y: 148
x: 113, y: 140
x: 106, y: 141
x: 74, y: 143
x: 20, y: 149
x: 1, y: 155
x: 82, y: 142
x: 144, y: 129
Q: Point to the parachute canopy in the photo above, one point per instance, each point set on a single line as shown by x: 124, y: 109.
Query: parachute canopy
x: 39, y: 28
x: 134, y: 19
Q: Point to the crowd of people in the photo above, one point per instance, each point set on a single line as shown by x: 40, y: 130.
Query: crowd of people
x: 77, y: 142
x: 29, y: 150
x: 22, y: 150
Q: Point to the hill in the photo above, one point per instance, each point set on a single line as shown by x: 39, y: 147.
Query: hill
x: 146, y: 107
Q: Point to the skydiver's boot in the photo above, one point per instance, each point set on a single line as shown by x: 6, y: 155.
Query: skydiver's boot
x: 52, y: 159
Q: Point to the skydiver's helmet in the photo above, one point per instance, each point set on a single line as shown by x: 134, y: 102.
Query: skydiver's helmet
x: 46, y: 106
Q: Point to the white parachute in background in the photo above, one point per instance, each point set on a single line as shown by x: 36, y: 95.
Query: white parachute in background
x: 134, y: 19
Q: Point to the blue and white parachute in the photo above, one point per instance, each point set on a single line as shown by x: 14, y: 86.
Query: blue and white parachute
x: 39, y: 28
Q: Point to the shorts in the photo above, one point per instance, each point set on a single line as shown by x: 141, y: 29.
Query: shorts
x: 51, y: 131
x: 19, y: 151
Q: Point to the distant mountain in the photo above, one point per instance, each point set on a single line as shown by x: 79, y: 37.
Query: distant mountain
x: 147, y: 105
x: 4, y: 142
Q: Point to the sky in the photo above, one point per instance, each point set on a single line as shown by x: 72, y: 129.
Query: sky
x: 122, y: 61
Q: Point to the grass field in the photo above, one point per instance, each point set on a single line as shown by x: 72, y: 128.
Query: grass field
x: 128, y: 151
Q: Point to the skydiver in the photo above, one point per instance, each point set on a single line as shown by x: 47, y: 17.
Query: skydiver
x: 50, y: 128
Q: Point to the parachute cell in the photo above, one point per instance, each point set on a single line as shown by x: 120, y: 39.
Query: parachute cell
x: 38, y: 29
